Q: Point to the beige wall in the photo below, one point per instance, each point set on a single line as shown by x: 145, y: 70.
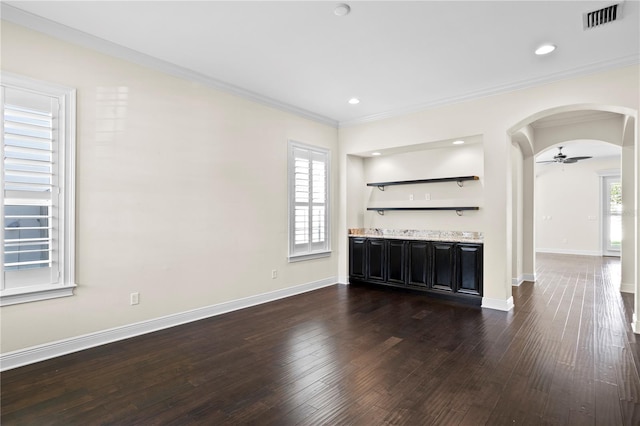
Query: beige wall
x: 463, y: 160
x: 181, y: 194
x: 568, y: 206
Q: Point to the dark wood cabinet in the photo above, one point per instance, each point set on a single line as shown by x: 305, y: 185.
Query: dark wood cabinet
x: 469, y: 269
x: 443, y: 266
x: 396, y: 261
x: 418, y: 263
x: 357, y: 258
x: 447, y: 269
x: 376, y: 259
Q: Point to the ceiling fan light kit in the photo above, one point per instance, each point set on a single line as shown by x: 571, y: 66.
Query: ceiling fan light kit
x: 563, y: 159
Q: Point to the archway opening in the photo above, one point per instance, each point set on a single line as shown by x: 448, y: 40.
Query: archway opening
x: 565, y: 126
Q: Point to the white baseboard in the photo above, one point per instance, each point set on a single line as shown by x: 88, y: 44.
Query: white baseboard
x: 627, y: 288
x: 569, y: 251
x: 516, y: 282
x: 38, y: 353
x: 522, y: 278
x: 498, y: 304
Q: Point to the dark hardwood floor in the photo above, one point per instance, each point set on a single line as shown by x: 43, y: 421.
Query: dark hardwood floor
x: 363, y: 356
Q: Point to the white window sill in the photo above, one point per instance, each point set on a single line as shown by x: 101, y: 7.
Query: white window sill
x: 302, y: 257
x: 33, y: 294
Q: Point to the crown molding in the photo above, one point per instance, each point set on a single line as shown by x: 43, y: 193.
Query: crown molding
x: 495, y: 90
x: 71, y: 35
x: 65, y: 33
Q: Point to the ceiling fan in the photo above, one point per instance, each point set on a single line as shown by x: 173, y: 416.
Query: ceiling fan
x: 563, y: 159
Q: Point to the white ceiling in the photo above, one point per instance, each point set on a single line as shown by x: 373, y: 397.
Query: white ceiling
x: 395, y: 56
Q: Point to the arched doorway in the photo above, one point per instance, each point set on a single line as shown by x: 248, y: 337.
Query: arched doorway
x: 549, y: 128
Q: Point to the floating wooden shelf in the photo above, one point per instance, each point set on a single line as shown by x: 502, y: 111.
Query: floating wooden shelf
x: 458, y: 179
x: 458, y: 210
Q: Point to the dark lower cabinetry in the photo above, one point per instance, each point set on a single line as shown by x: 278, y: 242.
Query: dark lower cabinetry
x: 418, y: 267
x: 358, y: 258
x: 443, y: 266
x: 449, y: 269
x: 397, y: 262
x: 376, y: 260
x: 469, y: 269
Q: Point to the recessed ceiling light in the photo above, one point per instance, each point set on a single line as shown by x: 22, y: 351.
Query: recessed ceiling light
x: 458, y: 142
x: 354, y: 101
x: 376, y: 153
x: 342, y: 10
x: 545, y: 49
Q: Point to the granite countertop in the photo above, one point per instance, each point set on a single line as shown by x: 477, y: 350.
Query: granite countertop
x: 418, y: 234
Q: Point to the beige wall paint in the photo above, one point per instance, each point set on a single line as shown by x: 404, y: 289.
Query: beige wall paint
x: 463, y: 160
x: 181, y: 193
x: 568, y: 206
x: 628, y: 179
x: 517, y: 208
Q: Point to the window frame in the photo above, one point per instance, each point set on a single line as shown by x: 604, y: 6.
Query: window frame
x: 66, y: 120
x: 293, y: 254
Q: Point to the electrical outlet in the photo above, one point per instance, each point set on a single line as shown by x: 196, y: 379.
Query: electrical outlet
x: 410, y: 197
x: 427, y: 196
x: 274, y: 274
x: 134, y: 298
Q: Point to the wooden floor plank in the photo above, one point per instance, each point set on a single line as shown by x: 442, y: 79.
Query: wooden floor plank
x: 360, y: 355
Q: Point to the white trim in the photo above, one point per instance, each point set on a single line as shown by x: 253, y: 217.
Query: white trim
x: 627, y: 288
x: 498, y: 304
x: 635, y: 325
x: 303, y: 257
x: 515, y: 282
x: 38, y: 353
x: 34, y: 294
x: 71, y: 35
x: 66, y: 157
x: 569, y: 251
x: 321, y: 250
x: 529, y: 277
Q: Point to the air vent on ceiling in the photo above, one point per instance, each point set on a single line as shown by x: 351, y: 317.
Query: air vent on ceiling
x: 602, y: 16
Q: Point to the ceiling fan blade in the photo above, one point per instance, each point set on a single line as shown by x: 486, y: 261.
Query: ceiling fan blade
x: 550, y: 161
x: 578, y: 158
x: 569, y: 161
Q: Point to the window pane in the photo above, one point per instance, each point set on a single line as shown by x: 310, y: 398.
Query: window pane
x: 26, y: 237
x: 318, y: 227
x: 302, y: 225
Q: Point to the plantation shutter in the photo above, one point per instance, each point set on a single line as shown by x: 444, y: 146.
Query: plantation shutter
x: 309, y: 175
x: 29, y: 176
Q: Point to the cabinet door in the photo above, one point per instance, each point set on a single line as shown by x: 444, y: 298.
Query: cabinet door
x: 357, y: 258
x: 469, y: 269
x: 376, y: 257
x: 418, y: 263
x: 442, y: 257
x: 396, y: 261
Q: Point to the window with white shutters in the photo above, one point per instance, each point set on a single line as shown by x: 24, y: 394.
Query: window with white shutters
x: 308, y: 201
x: 37, y: 191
